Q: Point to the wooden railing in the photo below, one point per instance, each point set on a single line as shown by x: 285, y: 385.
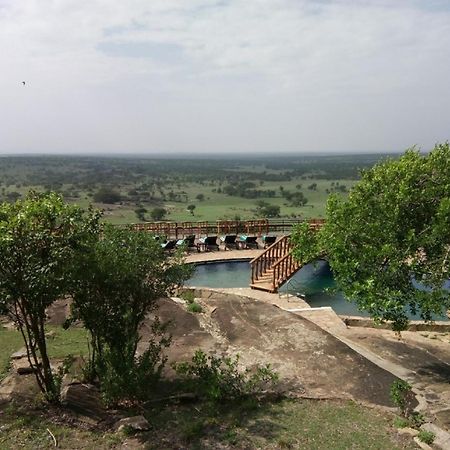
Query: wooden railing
x: 266, y: 260
x: 276, y: 265
x: 284, y: 269
x: 259, y: 227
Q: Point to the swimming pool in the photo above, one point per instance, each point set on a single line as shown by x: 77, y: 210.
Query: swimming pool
x: 311, y: 280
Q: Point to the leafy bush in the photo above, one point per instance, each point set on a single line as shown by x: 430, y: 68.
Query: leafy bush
x: 107, y: 195
x: 120, y: 280
x: 194, y: 307
x: 188, y: 296
x: 400, y: 394
x: 426, y: 436
x: 41, y: 239
x: 219, y: 379
x: 133, y: 378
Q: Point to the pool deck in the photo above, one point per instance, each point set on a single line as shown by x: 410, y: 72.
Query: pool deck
x: 222, y: 255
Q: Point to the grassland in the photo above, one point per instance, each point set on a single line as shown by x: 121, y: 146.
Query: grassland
x: 173, y: 184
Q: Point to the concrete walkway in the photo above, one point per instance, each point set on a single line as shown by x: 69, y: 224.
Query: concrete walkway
x: 222, y: 255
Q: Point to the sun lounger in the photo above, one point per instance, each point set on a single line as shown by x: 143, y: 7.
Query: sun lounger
x: 187, y: 242
x: 229, y: 241
x: 207, y: 243
x: 248, y: 241
x: 268, y: 240
x: 169, y: 245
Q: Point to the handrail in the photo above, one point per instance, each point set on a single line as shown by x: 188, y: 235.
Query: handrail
x: 283, y: 269
x: 269, y: 248
x: 277, y: 263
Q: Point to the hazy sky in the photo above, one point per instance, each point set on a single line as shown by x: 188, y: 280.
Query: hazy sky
x: 223, y: 75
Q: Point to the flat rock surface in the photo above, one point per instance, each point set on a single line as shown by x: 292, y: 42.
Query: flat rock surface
x: 309, y: 360
x: 424, y: 355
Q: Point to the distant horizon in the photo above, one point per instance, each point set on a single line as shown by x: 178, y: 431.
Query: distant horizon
x: 200, y: 155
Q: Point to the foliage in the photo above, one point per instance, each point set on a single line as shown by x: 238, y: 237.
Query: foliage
x: 40, y: 238
x: 194, y: 307
x: 220, y: 379
x: 265, y: 209
x: 389, y: 235
x: 400, y: 394
x: 188, y: 296
x: 426, y: 436
x: 140, y: 213
x: 120, y: 280
x: 107, y: 195
x: 158, y: 213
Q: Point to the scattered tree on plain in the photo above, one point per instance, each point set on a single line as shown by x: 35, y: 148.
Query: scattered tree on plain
x: 158, y: 213
x: 107, y: 195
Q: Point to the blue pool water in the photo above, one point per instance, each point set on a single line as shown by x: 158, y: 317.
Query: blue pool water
x: 312, y: 281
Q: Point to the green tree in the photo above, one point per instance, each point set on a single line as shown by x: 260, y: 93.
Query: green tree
x: 40, y: 237
x: 264, y: 209
x: 392, y: 232
x: 158, y: 213
x: 191, y: 209
x: 200, y: 197
x: 140, y: 213
x: 107, y: 195
x: 120, y: 280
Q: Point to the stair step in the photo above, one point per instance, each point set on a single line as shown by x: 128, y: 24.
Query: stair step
x: 268, y: 287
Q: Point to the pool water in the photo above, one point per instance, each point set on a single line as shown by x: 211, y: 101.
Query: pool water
x: 312, y: 281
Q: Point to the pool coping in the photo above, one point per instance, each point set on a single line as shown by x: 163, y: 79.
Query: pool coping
x: 218, y: 261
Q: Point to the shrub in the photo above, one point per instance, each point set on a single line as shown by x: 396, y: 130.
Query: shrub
x: 188, y: 296
x: 41, y: 239
x: 219, y: 379
x: 120, y: 280
x: 107, y: 195
x: 194, y: 307
x: 158, y: 213
x: 400, y: 394
x: 426, y: 436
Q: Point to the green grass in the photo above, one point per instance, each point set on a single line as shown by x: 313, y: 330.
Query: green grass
x: 60, y: 343
x: 216, y: 205
x: 28, y: 430
x: 271, y: 425
x: 308, y: 424
x: 73, y: 341
x: 10, y: 342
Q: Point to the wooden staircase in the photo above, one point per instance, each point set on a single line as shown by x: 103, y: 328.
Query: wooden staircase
x: 274, y: 266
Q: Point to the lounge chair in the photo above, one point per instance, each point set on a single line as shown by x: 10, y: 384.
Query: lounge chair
x: 187, y: 242
x: 269, y: 240
x: 229, y: 241
x: 249, y: 241
x: 169, y: 245
x: 207, y: 243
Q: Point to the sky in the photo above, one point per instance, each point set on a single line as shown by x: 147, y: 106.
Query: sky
x: 223, y: 76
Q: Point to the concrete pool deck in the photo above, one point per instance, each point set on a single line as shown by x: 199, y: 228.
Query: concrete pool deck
x: 222, y: 255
